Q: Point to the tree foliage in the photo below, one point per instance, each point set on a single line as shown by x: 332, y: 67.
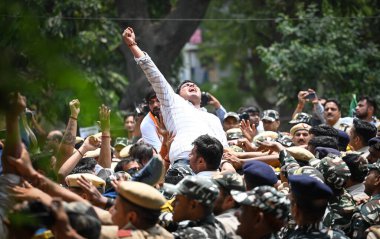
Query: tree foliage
x: 332, y: 54
x: 232, y: 42
x: 54, y: 51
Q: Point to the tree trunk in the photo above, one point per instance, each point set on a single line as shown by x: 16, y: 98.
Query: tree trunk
x: 163, y: 40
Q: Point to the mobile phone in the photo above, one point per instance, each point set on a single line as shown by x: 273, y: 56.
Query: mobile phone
x: 310, y: 96
x: 205, y: 98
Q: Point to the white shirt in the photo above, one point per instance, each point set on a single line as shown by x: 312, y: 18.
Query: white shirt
x: 149, y: 133
x: 180, y: 116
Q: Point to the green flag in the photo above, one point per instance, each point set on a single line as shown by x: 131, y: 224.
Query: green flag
x: 353, y: 105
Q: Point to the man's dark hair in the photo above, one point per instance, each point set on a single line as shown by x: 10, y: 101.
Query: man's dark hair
x: 370, y: 102
x: 312, y: 209
x: 150, y: 95
x: 127, y: 114
x: 181, y: 84
x: 364, y: 130
x: 141, y: 151
x: 210, y: 149
x: 324, y: 130
x: 250, y: 109
x: 324, y: 141
x: 85, y: 165
x: 333, y: 101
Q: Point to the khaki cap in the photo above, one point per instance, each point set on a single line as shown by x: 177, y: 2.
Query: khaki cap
x: 141, y: 194
x: 300, y: 153
x: 124, y: 153
x: 71, y: 180
x: 300, y: 126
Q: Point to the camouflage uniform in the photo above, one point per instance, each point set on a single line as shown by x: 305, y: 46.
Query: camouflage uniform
x: 308, y: 189
x: 206, y: 228
x: 368, y: 214
x: 204, y: 191
x: 341, y: 207
x: 316, y: 230
x: 268, y: 200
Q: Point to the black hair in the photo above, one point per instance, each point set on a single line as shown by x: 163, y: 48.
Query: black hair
x: 181, y: 84
x: 150, y: 95
x: 210, y: 149
x: 324, y: 130
x: 370, y: 102
x: 355, y: 164
x: 335, y: 102
x: 324, y: 141
x: 312, y: 209
x: 141, y: 151
x: 120, y: 165
x: 85, y: 165
x: 128, y: 114
x: 364, y: 130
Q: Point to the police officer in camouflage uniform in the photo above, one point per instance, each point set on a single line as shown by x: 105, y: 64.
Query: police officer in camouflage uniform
x: 263, y: 212
x: 342, y: 205
x: 195, y: 197
x: 368, y: 213
x: 308, y: 199
x: 225, y: 206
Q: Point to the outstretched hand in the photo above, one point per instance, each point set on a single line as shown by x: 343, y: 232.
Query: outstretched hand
x: 271, y: 146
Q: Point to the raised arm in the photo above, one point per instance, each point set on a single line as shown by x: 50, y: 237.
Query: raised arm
x: 91, y: 143
x: 130, y: 39
x: 68, y: 141
x: 164, y: 91
x: 105, y: 149
x: 13, y: 146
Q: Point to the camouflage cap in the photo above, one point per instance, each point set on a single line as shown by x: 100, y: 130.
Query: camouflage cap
x: 201, y: 189
x: 267, y: 198
x: 229, y: 181
x: 311, y: 171
x: 177, y: 172
x: 234, y: 133
x: 301, y: 118
x: 270, y: 115
x: 334, y: 170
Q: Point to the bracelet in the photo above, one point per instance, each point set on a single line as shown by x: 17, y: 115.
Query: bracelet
x: 132, y: 44
x: 109, y: 203
x: 80, y: 152
x: 72, y: 117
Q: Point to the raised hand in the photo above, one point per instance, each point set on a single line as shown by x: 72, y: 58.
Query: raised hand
x: 249, y: 131
x: 74, y: 108
x: 129, y: 36
x: 104, y: 117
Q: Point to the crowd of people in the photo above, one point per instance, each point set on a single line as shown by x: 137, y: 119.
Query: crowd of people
x: 183, y: 172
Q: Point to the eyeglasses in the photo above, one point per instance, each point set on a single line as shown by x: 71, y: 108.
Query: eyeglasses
x: 188, y: 85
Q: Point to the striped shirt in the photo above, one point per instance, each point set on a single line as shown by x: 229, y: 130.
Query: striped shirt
x: 180, y: 116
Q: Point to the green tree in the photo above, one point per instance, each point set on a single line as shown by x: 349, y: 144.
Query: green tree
x: 331, y: 54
